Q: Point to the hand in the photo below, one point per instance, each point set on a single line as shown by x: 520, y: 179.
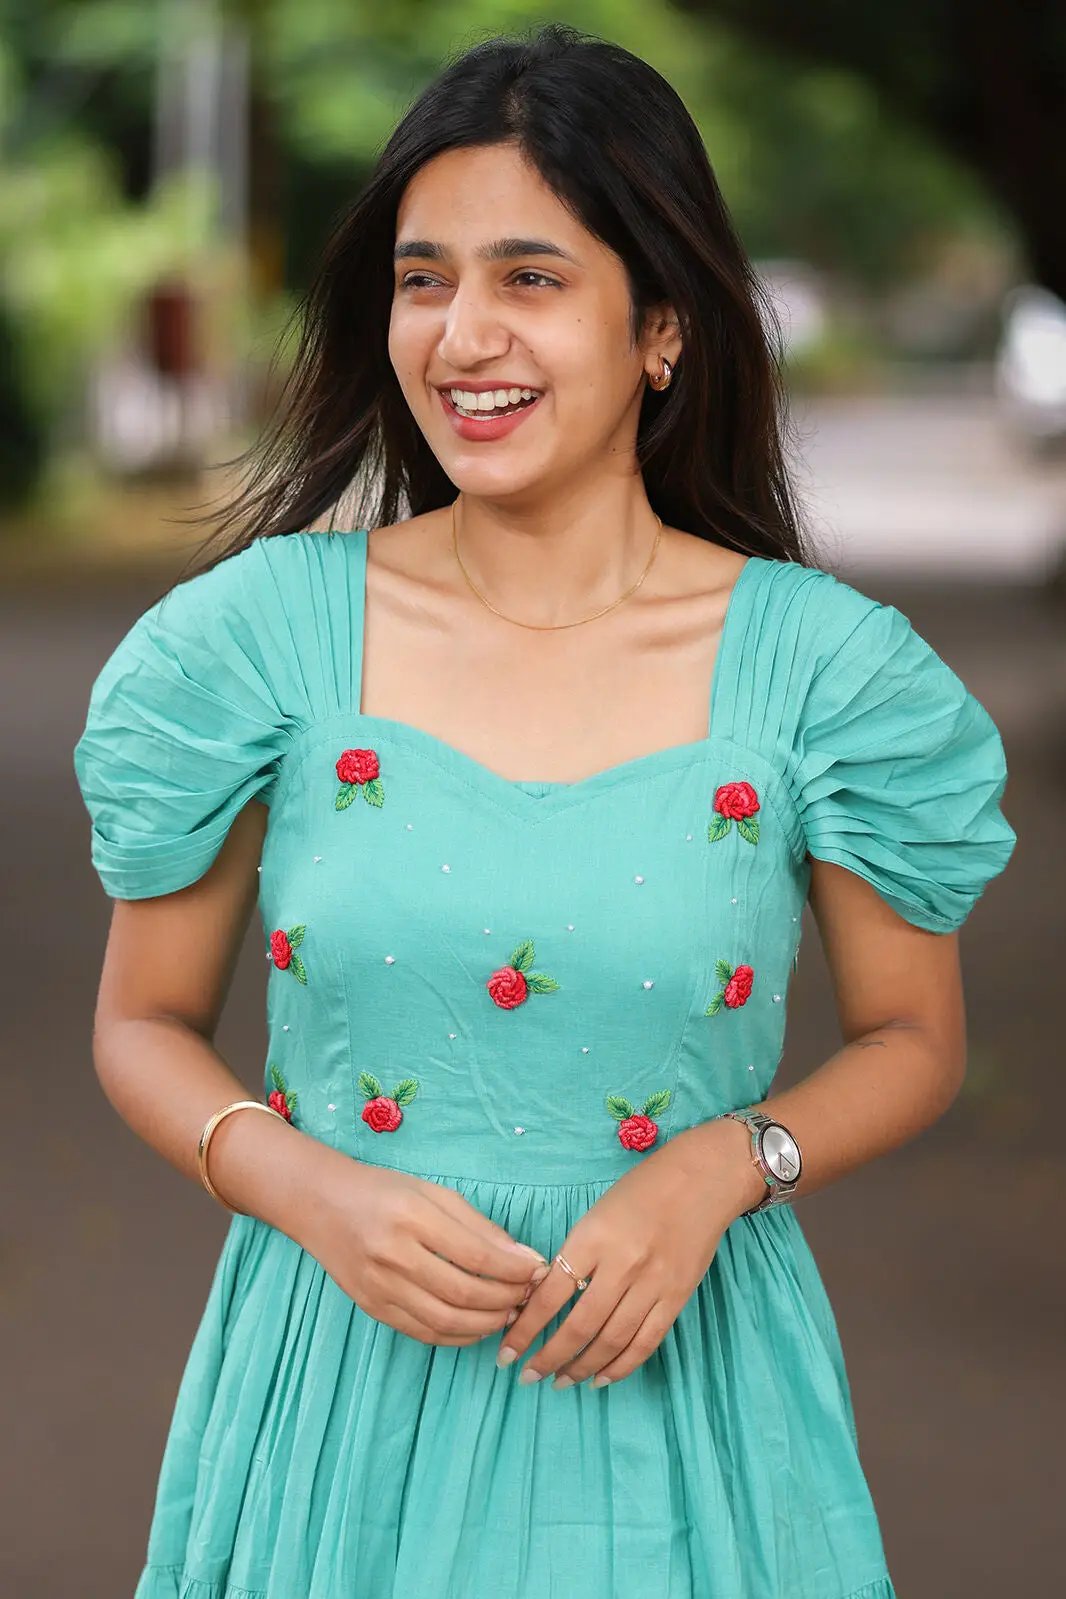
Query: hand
x: 415, y: 1254
x: 644, y: 1246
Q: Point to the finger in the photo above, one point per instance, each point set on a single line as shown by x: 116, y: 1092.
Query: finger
x: 455, y: 1286
x: 609, y: 1343
x: 412, y: 1327
x: 447, y: 1322
x: 464, y: 1235
x: 586, y: 1320
x: 546, y: 1300
x: 646, y: 1340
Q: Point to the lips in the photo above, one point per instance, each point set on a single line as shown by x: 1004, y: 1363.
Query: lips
x: 486, y: 427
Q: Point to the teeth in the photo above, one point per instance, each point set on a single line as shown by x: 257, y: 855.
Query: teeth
x: 469, y: 403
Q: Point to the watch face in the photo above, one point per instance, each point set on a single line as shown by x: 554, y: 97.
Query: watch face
x: 781, y: 1153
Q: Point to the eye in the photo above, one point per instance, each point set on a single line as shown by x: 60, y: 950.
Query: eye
x: 529, y: 273
x: 415, y: 280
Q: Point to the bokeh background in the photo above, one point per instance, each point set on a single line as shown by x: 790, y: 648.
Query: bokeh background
x: 169, y: 170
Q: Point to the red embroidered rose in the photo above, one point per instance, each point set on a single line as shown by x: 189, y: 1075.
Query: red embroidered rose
x: 512, y: 984
x: 358, y: 771
x: 283, y: 947
x: 638, y: 1129
x: 283, y: 1099
x: 738, y: 988
x: 508, y: 987
x: 382, y: 1112
x: 735, y: 989
x: 358, y: 766
x: 735, y: 802
x: 638, y: 1132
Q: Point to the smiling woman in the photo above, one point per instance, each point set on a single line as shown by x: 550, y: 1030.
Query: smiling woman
x: 530, y: 892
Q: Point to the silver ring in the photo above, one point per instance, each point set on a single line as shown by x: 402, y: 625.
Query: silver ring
x: 560, y: 1260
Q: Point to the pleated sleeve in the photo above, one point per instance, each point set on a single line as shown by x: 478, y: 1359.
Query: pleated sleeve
x: 183, y: 728
x: 898, y: 772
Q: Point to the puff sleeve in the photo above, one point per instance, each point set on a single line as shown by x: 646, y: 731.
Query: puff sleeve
x: 183, y: 728
x: 898, y: 772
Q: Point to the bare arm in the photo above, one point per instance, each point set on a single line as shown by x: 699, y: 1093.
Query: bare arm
x: 167, y: 969
x: 899, y: 1000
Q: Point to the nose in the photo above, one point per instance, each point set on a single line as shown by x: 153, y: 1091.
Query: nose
x: 472, y: 333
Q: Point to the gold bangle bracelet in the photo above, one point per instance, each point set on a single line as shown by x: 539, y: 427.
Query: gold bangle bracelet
x: 208, y: 1133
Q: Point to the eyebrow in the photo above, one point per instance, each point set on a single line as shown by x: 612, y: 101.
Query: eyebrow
x: 497, y: 250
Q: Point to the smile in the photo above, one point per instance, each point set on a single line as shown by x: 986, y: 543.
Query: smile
x: 471, y: 417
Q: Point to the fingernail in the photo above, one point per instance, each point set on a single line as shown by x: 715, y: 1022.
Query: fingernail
x: 512, y: 1316
x: 505, y: 1356
x: 600, y: 1381
x: 527, y: 1249
x: 563, y: 1382
x: 529, y: 1375
x: 539, y: 1275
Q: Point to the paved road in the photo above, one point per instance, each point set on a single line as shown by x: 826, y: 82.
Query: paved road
x: 944, y: 1260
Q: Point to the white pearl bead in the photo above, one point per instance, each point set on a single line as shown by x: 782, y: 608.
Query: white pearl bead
x: 451, y: 1035
x: 519, y: 1129
x: 733, y: 900
x: 584, y: 1049
x: 688, y: 838
x: 751, y: 1068
x: 777, y: 998
x: 445, y: 868
x: 638, y: 879
x: 408, y: 826
x: 331, y: 1107
x: 285, y: 1028
x: 390, y: 960
x: 647, y: 983
x: 317, y: 858
x: 259, y: 868
x: 570, y: 927
x: 486, y: 929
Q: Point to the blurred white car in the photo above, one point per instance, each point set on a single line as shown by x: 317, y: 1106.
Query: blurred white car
x: 1030, y: 366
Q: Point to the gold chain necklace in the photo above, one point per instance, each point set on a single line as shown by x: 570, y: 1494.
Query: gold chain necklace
x: 551, y: 626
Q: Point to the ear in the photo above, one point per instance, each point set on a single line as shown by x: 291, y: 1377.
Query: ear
x: 661, y: 335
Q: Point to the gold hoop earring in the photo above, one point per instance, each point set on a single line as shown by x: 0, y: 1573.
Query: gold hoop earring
x: 666, y: 372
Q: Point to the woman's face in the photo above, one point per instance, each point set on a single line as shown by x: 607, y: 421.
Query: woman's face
x: 497, y: 287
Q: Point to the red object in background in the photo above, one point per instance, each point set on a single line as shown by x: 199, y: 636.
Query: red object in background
x: 170, y: 330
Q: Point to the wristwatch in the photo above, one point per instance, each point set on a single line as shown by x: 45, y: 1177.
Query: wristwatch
x: 774, y: 1153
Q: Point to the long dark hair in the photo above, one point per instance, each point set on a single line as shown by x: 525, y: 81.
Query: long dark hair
x: 615, y: 142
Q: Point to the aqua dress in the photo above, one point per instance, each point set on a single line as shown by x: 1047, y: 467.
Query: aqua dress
x: 518, y: 989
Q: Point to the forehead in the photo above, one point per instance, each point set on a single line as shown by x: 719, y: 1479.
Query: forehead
x: 470, y: 195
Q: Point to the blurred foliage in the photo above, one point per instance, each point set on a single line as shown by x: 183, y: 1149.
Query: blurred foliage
x: 809, y: 162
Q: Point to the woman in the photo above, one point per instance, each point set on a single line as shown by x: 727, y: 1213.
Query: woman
x: 536, y: 778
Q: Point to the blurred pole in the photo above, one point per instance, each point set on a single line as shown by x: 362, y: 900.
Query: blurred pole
x: 193, y: 318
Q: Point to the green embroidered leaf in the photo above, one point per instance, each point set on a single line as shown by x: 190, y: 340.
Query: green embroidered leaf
x: 718, y: 828
x: 405, y: 1091
x: 373, y: 792
x: 540, y: 983
x: 619, y: 1107
x: 296, y: 935
x: 522, y: 959
x: 656, y: 1103
x: 277, y: 1079
x: 369, y: 1086
x: 748, y: 827
x: 715, y: 1006
x: 290, y: 1099
x: 346, y: 796
x: 723, y: 971
x: 298, y: 970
